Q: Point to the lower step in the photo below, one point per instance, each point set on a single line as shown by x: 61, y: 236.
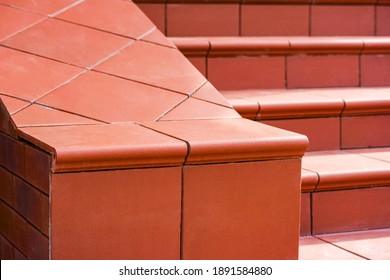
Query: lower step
x: 345, y: 191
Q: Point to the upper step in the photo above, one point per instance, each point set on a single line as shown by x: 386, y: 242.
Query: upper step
x: 289, y: 62
x: 269, y: 18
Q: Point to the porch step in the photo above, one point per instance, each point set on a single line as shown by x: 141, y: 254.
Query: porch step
x: 345, y: 190
x: 232, y: 63
x: 269, y: 17
x: 332, y: 118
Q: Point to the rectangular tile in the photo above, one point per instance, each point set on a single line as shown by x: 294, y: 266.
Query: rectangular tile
x: 155, y: 12
x: 6, y: 179
x: 38, y: 164
x: 383, y: 20
x: 375, y: 70
x: 305, y: 224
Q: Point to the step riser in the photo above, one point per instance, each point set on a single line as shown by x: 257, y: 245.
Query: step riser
x: 204, y: 19
x: 345, y: 210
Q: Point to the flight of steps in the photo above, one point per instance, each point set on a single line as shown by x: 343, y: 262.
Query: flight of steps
x: 320, y: 68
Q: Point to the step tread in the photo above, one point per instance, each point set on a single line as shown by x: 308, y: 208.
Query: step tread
x: 344, y: 169
x: 302, y: 103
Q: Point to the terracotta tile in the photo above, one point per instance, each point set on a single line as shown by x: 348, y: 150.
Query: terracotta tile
x: 13, y: 21
x: 193, y: 108
x: 309, y: 180
x: 6, y: 222
x: 227, y: 73
x: 340, y: 169
x: 230, y: 210
x: 43, y: 7
x: 115, y: 16
x: 350, y: 210
x: 378, y: 153
x: 275, y: 20
x: 373, y: 244
x: 131, y: 101
x: 96, y: 147
x: 320, y: 71
x: 158, y: 38
x: 202, y: 20
x: 6, y: 249
x: 345, y: 20
x: 138, y: 62
x: 323, y: 133
x: 6, y: 178
x: 3, y: 150
x: 246, y: 108
x: 69, y: 43
x: 199, y: 63
x: 45, y: 214
x: 129, y: 214
x: 305, y: 223
x: 15, y: 157
x: 155, y: 12
x: 19, y: 255
x: 232, y: 140
x: 365, y: 131
x: 38, y: 115
x: 38, y: 165
x: 311, y: 248
x: 375, y: 70
x: 209, y: 93
x: 31, y: 76
x: 13, y: 104
x: 383, y: 20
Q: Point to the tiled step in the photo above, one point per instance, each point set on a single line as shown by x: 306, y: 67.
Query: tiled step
x: 345, y: 190
x: 332, y: 118
x: 232, y: 63
x: 269, y: 18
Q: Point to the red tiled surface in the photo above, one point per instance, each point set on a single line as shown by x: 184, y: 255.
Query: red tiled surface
x: 115, y: 16
x: 379, y: 153
x: 38, y: 167
x: 320, y: 71
x: 309, y: 180
x: 199, y: 63
x: 138, y: 63
x: 227, y: 207
x: 342, y: 20
x: 158, y: 38
x: 6, y: 191
x: 375, y: 70
x: 348, y: 210
x: 383, y: 20
x: 114, y: 99
x: 364, y: 132
x: 209, y: 93
x: 15, y: 156
x: 43, y: 7
x: 246, y: 72
x: 70, y: 43
x: 13, y: 20
x: 202, y: 20
x: 305, y: 222
x: 31, y: 76
x: 6, y: 249
x: 155, y: 12
x: 128, y: 214
x: 13, y: 104
x: 275, y: 20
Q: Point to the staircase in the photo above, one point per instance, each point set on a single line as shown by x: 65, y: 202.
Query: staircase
x: 319, y: 68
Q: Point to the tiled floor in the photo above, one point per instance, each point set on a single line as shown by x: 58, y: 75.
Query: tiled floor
x: 361, y: 245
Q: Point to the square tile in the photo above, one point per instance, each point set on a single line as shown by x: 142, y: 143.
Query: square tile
x: 13, y: 21
x: 45, y: 7
x: 138, y: 62
x: 111, y: 99
x: 227, y: 73
x: 12, y: 104
x: 127, y: 214
x: 69, y: 43
x: 378, y: 153
x: 375, y: 70
x: 115, y: 16
x: 275, y: 20
x: 202, y: 20
x: 29, y: 77
x: 321, y: 71
x: 343, y: 20
x: 349, y: 210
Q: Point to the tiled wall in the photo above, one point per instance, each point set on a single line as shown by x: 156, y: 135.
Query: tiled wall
x: 24, y: 200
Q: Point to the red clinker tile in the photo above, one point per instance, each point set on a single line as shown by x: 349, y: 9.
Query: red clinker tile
x: 202, y: 20
x: 227, y: 73
x: 38, y: 165
x: 158, y: 38
x: 43, y: 7
x: 365, y: 131
x: 138, y: 62
x: 6, y: 221
x: 13, y: 21
x: 15, y: 157
x: 309, y: 180
x: 69, y: 43
x: 332, y: 20
x: 29, y: 77
x: 305, y: 224
x: 321, y: 71
x: 209, y: 93
x: 3, y: 151
x: 199, y: 63
x: 6, y: 249
x: 378, y: 153
x: 115, y: 16
x: 18, y: 255
x: 111, y: 99
x: 38, y: 248
x: 383, y: 21
x: 45, y: 215
x: 6, y: 179
x: 155, y: 12
x: 349, y: 210
x: 37, y: 115
x: 129, y: 214
x: 375, y: 70
x: 275, y: 20
x: 13, y: 104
